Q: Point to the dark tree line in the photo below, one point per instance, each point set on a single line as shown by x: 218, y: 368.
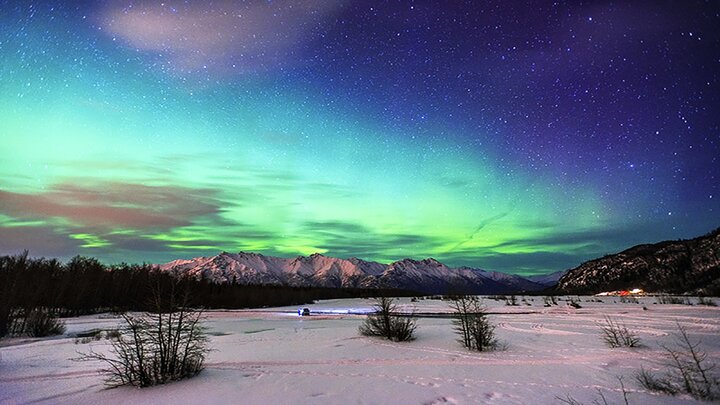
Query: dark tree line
x: 83, y: 285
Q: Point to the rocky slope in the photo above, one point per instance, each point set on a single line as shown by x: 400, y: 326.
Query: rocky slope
x: 426, y: 276
x: 682, y: 266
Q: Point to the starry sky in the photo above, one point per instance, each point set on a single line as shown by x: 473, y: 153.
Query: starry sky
x: 524, y: 137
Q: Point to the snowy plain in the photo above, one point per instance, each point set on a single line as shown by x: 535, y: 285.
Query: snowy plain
x: 274, y: 356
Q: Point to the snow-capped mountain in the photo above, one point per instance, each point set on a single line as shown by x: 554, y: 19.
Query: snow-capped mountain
x: 681, y: 266
x: 427, y: 276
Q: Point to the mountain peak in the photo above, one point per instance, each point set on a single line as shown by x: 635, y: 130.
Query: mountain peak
x: 431, y: 260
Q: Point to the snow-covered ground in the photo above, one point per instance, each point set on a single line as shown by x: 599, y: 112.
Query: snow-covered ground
x: 273, y: 356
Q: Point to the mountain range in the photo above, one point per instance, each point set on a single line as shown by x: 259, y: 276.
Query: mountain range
x: 427, y: 276
x: 679, y: 266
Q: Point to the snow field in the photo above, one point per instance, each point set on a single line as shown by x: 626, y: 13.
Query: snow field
x: 273, y: 356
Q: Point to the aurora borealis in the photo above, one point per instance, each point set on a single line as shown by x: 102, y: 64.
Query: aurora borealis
x: 524, y: 137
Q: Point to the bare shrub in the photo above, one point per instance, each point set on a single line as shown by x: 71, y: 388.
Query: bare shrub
x: 156, y: 347
x: 385, y: 322
x: 629, y: 300
x: 89, y: 336
x: 652, y: 382
x: 403, y: 329
x: 618, y: 335
x: 706, y: 301
x: 575, y: 303
x: 602, y: 400
x: 669, y: 299
x: 97, y: 334
x: 40, y: 323
x: 549, y: 300
x: 687, y: 371
x: 112, y: 334
x: 471, y: 324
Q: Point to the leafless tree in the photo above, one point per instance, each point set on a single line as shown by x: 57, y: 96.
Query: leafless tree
x: 472, y: 325
x: 688, y: 371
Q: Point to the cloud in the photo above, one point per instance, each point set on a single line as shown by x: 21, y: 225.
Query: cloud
x: 452, y: 182
x: 111, y: 205
x: 220, y: 37
x: 483, y: 223
x: 334, y: 227
x: 345, y: 239
x: 558, y: 250
x: 597, y: 242
x: 38, y: 240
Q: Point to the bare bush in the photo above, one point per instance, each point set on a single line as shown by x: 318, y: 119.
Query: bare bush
x: 549, y: 300
x: 618, y: 335
x: 687, y: 372
x: 385, y: 322
x: 471, y: 324
x: 629, y: 300
x: 112, y: 334
x: 34, y: 322
x: 575, y: 303
x: 95, y: 335
x: 652, y: 382
x: 706, y: 301
x: 156, y: 347
x: 41, y: 323
x: 669, y: 299
x: 602, y: 400
x: 403, y: 329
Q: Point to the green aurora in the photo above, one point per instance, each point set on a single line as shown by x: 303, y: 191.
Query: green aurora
x: 108, y: 150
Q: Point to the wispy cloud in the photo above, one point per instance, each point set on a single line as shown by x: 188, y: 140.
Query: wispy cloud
x: 345, y: 239
x: 219, y: 37
x: 112, y: 205
x: 483, y: 223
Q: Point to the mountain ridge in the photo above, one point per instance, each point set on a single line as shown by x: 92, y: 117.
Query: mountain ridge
x: 317, y: 270
x: 671, y: 266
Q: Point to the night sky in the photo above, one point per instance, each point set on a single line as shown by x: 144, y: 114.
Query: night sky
x: 524, y: 137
